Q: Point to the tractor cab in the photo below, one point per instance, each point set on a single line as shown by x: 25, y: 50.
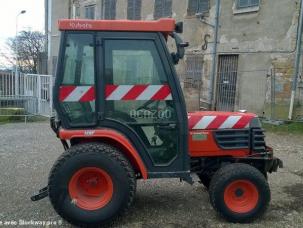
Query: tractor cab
x: 120, y: 75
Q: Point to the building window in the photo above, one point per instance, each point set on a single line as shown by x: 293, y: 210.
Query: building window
x: 247, y: 3
x: 76, y: 11
x: 162, y: 8
x: 134, y: 9
x: 108, y: 9
x: 197, y: 6
x: 194, y: 71
x: 90, y: 11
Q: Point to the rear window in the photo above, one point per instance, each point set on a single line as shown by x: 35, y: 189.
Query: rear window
x: 77, y: 90
x: 79, y: 60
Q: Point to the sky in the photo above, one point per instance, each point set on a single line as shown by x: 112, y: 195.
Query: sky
x: 33, y: 19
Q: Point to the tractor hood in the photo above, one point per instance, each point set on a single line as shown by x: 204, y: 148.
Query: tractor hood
x: 219, y: 120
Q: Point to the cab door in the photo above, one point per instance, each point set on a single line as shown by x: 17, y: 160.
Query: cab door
x: 141, y: 97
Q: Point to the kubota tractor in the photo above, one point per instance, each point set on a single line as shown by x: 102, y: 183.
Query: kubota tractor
x: 121, y: 117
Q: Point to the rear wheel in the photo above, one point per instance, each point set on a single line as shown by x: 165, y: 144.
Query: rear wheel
x: 91, y: 184
x: 239, y: 192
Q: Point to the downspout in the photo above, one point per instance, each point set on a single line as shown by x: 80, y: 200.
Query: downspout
x: 297, y: 64
x: 46, y: 11
x: 70, y: 16
x: 49, y: 35
x: 214, y: 56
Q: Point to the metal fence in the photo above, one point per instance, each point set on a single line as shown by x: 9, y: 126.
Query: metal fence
x: 25, y: 95
x: 279, y: 82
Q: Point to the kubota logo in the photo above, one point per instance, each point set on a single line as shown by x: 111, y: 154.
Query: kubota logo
x: 79, y: 25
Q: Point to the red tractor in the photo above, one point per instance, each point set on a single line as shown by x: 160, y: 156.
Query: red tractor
x: 121, y: 117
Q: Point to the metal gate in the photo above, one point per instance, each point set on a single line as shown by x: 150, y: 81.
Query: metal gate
x: 44, y: 85
x: 29, y: 93
x: 226, y: 82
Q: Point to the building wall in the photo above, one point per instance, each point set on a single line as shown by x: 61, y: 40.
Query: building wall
x: 263, y: 37
x: 57, y: 9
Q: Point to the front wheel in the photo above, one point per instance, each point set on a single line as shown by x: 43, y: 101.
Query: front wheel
x: 91, y: 184
x: 239, y: 192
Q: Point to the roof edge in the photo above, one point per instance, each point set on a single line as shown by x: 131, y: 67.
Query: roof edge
x: 164, y: 25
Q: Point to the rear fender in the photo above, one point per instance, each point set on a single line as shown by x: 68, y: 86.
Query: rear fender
x: 111, y: 137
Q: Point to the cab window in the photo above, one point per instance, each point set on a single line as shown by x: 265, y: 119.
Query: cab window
x: 77, y: 93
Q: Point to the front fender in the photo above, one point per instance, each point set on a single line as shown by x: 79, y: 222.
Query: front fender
x: 113, y: 137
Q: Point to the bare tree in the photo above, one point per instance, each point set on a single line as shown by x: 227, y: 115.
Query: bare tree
x: 26, y: 47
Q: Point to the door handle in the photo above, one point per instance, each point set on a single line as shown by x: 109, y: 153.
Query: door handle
x: 168, y: 125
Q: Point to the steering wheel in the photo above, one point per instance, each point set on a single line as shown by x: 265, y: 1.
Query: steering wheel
x: 146, y: 104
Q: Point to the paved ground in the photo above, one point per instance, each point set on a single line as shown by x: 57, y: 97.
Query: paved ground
x: 27, y: 152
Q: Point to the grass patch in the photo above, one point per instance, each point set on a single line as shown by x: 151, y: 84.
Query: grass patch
x: 15, y: 115
x: 8, y: 115
x: 287, y: 128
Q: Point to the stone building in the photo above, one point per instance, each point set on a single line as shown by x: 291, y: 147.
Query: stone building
x: 255, y: 49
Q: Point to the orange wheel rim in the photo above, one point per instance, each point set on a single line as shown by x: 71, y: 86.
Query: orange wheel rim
x: 241, y: 196
x: 90, y: 188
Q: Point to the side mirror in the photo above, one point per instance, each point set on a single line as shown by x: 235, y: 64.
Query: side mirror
x: 179, y: 27
x: 180, y: 48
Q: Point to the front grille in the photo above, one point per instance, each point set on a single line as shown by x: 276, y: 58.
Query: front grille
x: 241, y: 139
x: 258, y: 140
x: 233, y: 139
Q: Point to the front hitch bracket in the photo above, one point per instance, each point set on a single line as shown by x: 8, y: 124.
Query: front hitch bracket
x: 41, y: 195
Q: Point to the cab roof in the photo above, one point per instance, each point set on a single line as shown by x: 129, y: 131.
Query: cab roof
x: 164, y: 25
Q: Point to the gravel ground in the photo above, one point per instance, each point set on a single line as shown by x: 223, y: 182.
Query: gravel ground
x: 27, y: 152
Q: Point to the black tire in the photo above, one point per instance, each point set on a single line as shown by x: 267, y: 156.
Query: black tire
x: 232, y: 174
x: 204, y: 179
x: 97, y: 155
